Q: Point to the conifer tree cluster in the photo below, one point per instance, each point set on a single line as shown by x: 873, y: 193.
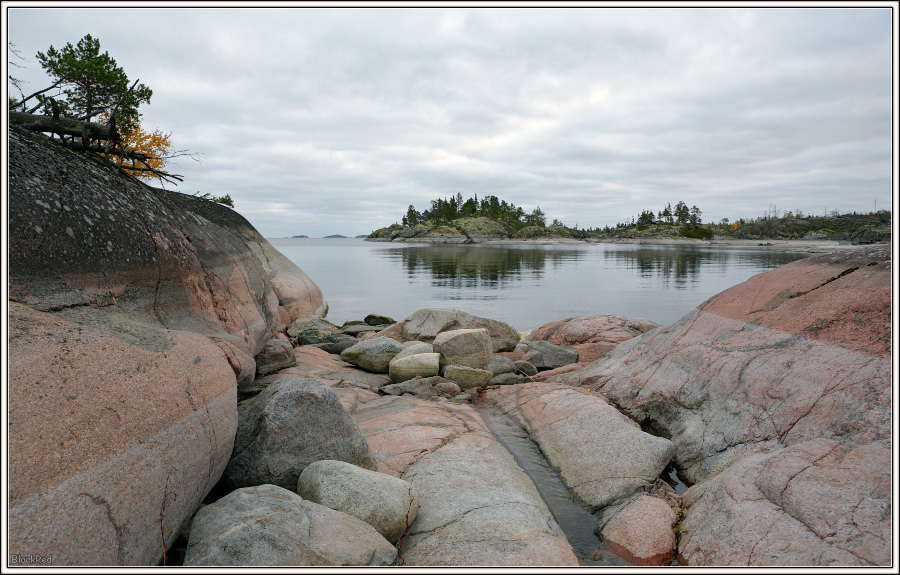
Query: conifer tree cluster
x: 445, y: 210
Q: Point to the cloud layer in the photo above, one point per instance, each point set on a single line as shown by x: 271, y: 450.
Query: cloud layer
x: 333, y: 120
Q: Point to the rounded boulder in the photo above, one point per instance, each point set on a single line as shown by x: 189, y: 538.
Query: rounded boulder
x: 387, y: 503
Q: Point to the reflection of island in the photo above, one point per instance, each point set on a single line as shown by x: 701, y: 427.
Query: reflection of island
x: 464, y: 266
x: 682, y: 264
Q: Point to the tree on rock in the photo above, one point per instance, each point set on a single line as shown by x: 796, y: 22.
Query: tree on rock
x: 93, y: 83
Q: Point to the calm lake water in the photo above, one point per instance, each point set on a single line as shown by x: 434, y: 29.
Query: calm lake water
x: 525, y: 286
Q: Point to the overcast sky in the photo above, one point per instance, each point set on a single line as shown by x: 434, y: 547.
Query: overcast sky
x: 322, y: 121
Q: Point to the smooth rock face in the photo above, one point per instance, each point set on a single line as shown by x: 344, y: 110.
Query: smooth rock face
x: 411, y: 366
x: 413, y: 348
x: 501, y: 364
x: 465, y: 347
x: 641, y: 533
x: 544, y: 355
x: 134, y: 314
x: 777, y: 393
x: 278, y: 354
x: 467, y: 377
x: 593, y: 336
x: 611, y: 329
x: 601, y: 455
x: 373, y: 354
x: 477, y: 507
x: 292, y: 423
x: 387, y: 503
x: 267, y: 525
x: 426, y: 324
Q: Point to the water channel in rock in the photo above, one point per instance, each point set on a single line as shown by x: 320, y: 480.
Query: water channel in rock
x: 571, y: 515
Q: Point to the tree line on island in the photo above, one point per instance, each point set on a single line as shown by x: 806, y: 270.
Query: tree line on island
x: 669, y: 221
x: 444, y: 211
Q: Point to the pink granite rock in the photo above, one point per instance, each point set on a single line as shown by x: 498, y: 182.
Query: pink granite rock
x: 642, y: 532
x: 477, y: 507
x: 776, y: 392
x: 600, y: 454
x: 609, y: 329
x: 110, y: 430
x: 134, y: 313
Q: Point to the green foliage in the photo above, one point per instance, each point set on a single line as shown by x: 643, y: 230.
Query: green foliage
x: 445, y: 211
x: 696, y: 233
x: 93, y: 83
x: 645, y: 219
x: 225, y: 200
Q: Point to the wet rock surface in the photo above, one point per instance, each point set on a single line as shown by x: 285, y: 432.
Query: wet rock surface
x: 602, y: 455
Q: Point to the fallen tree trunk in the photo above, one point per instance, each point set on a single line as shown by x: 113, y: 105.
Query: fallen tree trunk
x: 61, y: 126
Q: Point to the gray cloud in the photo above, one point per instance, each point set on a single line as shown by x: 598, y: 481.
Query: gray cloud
x: 334, y: 120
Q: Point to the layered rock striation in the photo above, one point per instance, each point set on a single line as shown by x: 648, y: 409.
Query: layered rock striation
x: 134, y: 313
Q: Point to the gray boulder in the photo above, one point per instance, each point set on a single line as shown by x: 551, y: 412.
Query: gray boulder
x: 420, y: 388
x: 387, y: 503
x: 374, y: 319
x: 426, y: 324
x: 419, y: 365
x: 373, y: 354
x: 317, y: 336
x: 359, y: 328
x: 267, y: 525
x: 507, y: 379
x: 501, y: 364
x: 446, y: 388
x: 305, y: 323
x: 414, y: 347
x: 340, y: 345
x: 290, y: 424
x: 468, y: 377
x: 468, y: 347
x: 545, y: 355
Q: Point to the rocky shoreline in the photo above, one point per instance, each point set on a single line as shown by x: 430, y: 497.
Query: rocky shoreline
x: 175, y: 398
x: 804, y: 246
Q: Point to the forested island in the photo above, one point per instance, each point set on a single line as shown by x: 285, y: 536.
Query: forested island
x: 477, y: 220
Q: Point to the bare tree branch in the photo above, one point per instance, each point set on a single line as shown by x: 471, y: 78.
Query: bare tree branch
x: 39, y: 92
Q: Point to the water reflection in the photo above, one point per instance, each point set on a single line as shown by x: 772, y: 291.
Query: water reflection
x: 478, y: 267
x: 523, y: 285
x: 680, y: 267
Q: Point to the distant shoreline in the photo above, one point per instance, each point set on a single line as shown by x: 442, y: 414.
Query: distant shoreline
x: 808, y: 246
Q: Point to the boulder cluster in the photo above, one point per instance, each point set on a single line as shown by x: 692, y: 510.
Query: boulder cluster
x: 310, y: 449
